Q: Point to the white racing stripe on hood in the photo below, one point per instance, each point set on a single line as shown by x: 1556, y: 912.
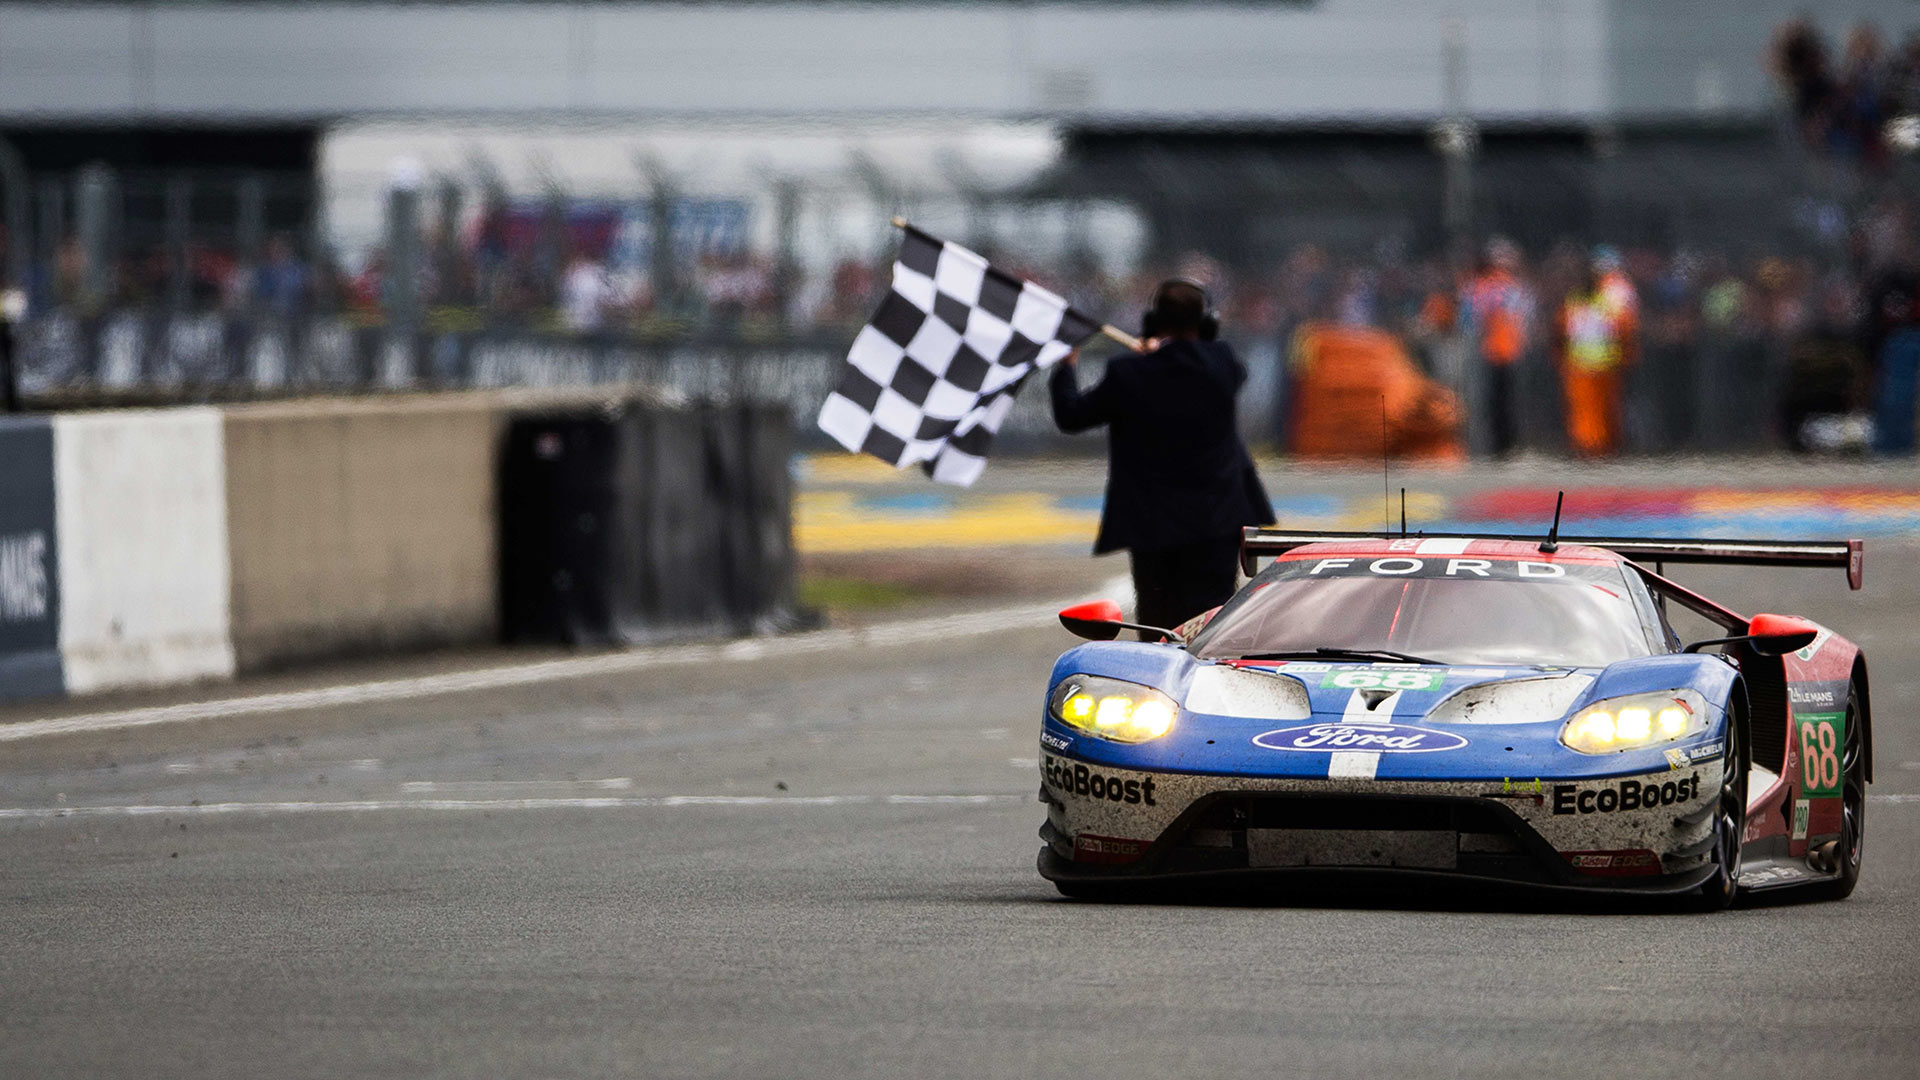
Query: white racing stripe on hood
x: 1361, y: 764
x: 1442, y: 546
x: 1352, y: 764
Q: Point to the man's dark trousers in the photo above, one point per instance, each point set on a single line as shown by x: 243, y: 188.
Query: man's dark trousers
x: 1500, y: 391
x: 1174, y: 584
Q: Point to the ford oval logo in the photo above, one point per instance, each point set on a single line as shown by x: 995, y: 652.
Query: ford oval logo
x: 1372, y: 738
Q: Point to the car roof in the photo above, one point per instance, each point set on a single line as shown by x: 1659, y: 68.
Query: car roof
x: 1461, y: 547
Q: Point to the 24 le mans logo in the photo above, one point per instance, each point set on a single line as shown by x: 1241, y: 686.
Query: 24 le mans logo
x: 1373, y: 738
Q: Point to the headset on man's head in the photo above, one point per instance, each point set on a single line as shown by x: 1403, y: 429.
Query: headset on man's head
x: 1151, y: 321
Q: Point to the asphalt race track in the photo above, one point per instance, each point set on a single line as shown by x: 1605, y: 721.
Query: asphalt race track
x: 814, y: 857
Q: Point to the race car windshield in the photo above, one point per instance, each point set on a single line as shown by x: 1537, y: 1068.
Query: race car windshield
x: 1449, y: 610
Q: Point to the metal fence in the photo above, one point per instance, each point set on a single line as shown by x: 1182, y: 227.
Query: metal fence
x: 1719, y: 393
x: 136, y: 357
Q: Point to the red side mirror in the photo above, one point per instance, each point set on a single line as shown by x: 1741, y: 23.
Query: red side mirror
x: 1098, y: 620
x: 1776, y: 635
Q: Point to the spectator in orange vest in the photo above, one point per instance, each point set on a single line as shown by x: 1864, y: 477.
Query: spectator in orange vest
x: 1598, y: 338
x: 1498, y: 308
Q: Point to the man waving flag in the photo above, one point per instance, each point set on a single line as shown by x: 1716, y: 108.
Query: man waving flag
x: 934, y: 372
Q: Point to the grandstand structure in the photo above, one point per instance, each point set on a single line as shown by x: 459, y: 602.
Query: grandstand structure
x: 1233, y: 127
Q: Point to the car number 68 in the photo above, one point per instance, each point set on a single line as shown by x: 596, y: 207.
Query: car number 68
x: 1820, y: 755
x: 1382, y: 680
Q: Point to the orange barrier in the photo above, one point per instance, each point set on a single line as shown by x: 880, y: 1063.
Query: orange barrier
x: 1343, y: 378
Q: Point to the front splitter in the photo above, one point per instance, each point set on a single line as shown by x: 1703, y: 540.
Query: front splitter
x: 1334, y: 878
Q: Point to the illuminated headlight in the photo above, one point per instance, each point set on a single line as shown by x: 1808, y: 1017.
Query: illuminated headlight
x: 1637, y: 722
x: 1122, y: 711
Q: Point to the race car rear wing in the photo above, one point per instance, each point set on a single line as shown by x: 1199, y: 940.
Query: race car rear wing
x: 1257, y: 541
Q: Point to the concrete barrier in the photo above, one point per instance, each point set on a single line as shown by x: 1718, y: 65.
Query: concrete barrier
x: 141, y: 519
x: 144, y: 547
x: 29, y: 562
x: 361, y: 525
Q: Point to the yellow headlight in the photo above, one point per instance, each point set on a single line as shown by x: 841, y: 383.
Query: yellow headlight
x: 1112, y: 713
x: 1112, y: 708
x: 1152, y: 719
x: 1636, y: 722
x: 1596, y: 725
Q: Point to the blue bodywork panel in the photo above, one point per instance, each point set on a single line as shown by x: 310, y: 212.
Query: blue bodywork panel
x: 1516, y: 752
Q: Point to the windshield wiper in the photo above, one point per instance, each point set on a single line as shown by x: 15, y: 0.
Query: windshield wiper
x: 1341, y: 654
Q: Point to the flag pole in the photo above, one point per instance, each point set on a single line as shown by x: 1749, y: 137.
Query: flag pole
x: 1123, y: 337
x: 1108, y: 329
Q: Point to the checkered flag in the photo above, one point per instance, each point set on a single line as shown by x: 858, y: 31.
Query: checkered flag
x: 935, y: 371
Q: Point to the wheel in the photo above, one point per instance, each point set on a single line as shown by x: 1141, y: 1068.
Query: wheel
x: 1729, y: 822
x: 1853, y: 807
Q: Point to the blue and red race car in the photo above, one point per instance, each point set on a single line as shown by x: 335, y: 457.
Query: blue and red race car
x: 1463, y: 709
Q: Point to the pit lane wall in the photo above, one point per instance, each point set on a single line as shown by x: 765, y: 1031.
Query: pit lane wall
x: 155, y: 547
x: 360, y: 526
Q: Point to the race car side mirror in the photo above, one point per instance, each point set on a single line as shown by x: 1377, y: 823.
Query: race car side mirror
x: 1777, y: 635
x: 1768, y: 635
x: 1102, y: 620
x: 1098, y: 620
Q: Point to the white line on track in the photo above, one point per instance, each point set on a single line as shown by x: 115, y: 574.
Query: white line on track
x: 612, y: 783
x: 939, y: 628
x: 350, y: 806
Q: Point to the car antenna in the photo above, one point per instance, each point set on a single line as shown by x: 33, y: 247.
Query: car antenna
x: 1403, y: 511
x: 1552, y: 543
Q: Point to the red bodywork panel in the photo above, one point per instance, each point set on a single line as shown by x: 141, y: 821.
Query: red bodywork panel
x: 1818, y: 678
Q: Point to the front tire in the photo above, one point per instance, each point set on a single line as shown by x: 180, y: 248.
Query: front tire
x: 1729, y: 823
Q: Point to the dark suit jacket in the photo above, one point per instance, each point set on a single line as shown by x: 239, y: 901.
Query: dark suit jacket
x: 1177, y: 470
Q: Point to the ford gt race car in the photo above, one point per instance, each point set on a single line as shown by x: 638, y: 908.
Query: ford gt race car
x: 1464, y: 709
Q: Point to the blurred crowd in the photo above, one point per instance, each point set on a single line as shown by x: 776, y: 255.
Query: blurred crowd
x: 1817, y: 332
x: 1843, y: 107
x: 467, y: 283
x: 1825, y: 345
